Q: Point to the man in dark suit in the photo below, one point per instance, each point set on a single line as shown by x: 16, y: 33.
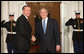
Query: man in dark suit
x: 23, y: 30
x: 48, y: 33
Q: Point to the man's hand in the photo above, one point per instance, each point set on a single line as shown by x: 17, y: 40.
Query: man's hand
x: 58, y: 48
x: 33, y: 38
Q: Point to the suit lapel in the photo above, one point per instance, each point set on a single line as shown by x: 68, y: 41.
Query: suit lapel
x: 48, y: 25
x: 25, y: 20
x: 27, y: 24
x: 41, y: 26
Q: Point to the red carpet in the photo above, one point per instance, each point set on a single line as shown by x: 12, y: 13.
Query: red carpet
x: 35, y: 47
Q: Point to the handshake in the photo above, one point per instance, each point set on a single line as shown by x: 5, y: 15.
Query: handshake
x: 33, y: 38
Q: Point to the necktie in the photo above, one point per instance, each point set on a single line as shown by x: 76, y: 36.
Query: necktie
x: 44, y: 26
x: 27, y: 19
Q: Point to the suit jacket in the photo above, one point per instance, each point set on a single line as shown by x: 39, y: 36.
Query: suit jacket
x: 23, y: 35
x: 52, y: 36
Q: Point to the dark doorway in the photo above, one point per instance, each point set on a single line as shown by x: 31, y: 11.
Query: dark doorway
x: 54, y: 12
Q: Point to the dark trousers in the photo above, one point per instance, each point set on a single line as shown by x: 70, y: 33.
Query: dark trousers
x: 78, y: 46
x: 22, y: 51
x: 10, y: 48
x: 46, y: 50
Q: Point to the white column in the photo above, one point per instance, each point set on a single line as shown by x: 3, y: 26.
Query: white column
x: 64, y: 10
x: 13, y: 8
x: 81, y: 8
x: 20, y: 5
x: 4, y: 10
x: 62, y: 26
x: 68, y: 8
x: 4, y: 16
x: 16, y: 7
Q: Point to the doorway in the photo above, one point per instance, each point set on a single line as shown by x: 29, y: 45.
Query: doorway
x: 54, y: 12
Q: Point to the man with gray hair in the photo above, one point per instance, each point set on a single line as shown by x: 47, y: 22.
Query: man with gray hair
x: 48, y: 33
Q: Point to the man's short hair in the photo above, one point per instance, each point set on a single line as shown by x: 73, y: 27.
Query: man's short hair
x: 25, y: 6
x: 43, y: 8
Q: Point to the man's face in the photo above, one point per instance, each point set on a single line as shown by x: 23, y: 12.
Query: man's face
x: 77, y: 16
x: 27, y: 11
x: 11, y: 18
x: 43, y: 13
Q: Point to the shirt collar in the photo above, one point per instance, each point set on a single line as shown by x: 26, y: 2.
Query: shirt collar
x: 25, y: 16
x: 45, y: 18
